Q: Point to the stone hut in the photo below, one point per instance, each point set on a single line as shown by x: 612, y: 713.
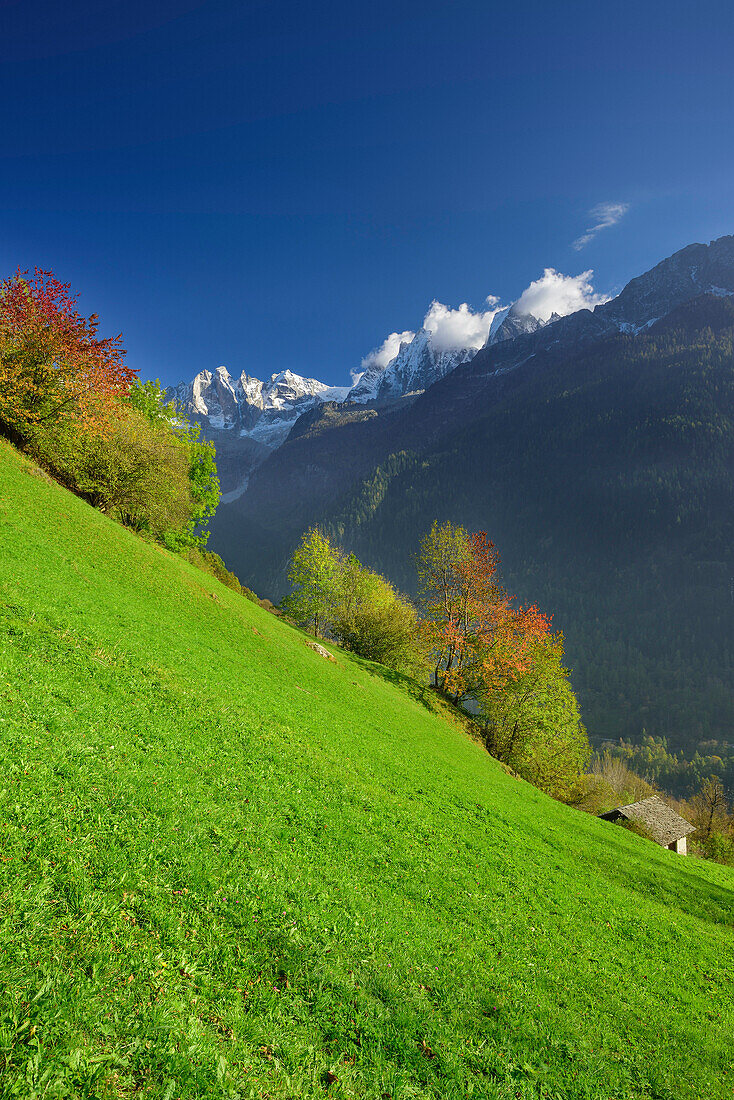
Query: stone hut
x: 664, y: 825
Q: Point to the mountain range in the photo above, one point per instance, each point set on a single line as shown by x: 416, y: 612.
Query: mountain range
x: 248, y: 419
x: 596, y: 450
x: 262, y: 414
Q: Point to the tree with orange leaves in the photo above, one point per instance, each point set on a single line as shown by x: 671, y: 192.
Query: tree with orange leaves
x: 477, y: 640
x: 501, y: 659
x: 53, y: 364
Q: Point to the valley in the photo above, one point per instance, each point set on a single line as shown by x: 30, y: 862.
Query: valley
x: 597, y: 451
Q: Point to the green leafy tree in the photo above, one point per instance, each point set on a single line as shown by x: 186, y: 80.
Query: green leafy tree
x: 533, y: 724
x: 149, y: 399
x: 203, y: 483
x: 315, y: 575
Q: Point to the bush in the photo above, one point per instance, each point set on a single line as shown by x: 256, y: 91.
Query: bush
x: 149, y: 469
x: 267, y: 605
x: 717, y: 846
x: 592, y: 794
x: 138, y: 472
x: 638, y: 828
x: 334, y: 596
x: 373, y: 620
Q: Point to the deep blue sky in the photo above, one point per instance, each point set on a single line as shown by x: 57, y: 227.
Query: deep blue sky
x: 280, y: 184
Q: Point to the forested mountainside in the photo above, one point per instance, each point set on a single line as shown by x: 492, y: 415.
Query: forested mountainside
x: 601, y: 466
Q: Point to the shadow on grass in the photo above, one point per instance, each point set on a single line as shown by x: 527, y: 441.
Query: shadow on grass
x: 424, y: 694
x: 683, y: 890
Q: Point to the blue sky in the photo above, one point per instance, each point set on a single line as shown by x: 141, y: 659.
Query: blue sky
x: 281, y: 185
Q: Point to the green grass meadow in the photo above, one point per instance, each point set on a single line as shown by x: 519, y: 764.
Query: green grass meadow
x: 230, y: 868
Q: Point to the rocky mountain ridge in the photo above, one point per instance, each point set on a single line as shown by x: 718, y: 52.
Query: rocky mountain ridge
x: 248, y: 419
x: 418, y: 364
x: 263, y: 411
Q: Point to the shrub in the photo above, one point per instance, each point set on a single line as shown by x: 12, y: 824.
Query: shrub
x: 717, y: 846
x: 213, y: 564
x: 335, y: 596
x: 138, y: 472
x: 373, y: 620
x: 592, y: 794
x: 638, y: 828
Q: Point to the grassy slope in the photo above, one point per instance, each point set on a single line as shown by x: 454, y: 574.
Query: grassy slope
x: 229, y: 867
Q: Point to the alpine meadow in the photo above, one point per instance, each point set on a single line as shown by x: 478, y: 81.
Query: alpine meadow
x: 233, y: 868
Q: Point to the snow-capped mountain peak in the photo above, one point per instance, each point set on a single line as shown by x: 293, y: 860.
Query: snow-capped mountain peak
x: 417, y: 366
x: 263, y: 411
x: 250, y: 418
x: 513, y: 323
x: 497, y: 321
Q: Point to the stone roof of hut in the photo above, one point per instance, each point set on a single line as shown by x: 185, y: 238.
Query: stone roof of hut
x: 662, y: 823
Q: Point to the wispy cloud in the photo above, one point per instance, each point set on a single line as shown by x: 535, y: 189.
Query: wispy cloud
x: 605, y: 214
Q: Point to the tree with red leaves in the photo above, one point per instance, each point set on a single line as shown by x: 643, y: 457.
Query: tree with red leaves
x: 478, y: 642
x: 53, y: 364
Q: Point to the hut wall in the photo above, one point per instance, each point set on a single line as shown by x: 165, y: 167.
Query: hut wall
x: 679, y: 846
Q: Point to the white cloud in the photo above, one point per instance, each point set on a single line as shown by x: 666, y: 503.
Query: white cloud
x: 385, y: 353
x: 464, y: 327
x: 557, y: 293
x: 449, y: 329
x: 606, y: 214
x: 459, y: 328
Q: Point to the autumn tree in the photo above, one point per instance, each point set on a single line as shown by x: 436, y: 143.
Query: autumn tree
x: 476, y: 640
x: 53, y: 364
